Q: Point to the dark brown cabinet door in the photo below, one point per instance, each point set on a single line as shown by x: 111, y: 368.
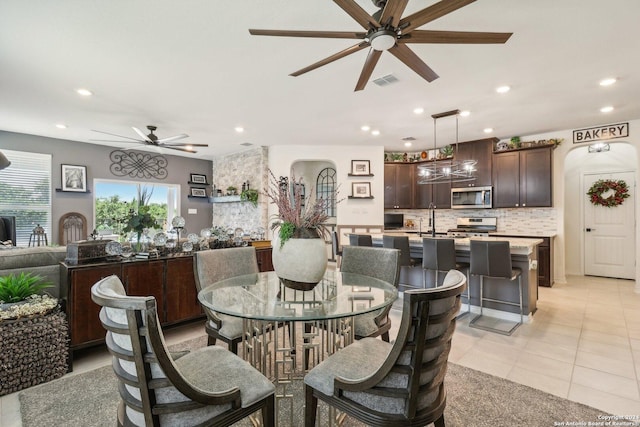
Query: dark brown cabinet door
x: 535, y: 178
x: 82, y: 312
x: 544, y: 264
x: 425, y: 194
x: 145, y: 278
x: 181, y: 295
x: 263, y: 256
x: 506, y: 180
x: 481, y: 151
x: 398, y: 185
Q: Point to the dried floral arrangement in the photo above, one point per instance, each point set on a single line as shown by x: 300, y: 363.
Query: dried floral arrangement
x: 297, y: 214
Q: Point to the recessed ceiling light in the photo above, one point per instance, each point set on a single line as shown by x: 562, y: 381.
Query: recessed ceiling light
x: 61, y: 126
x: 503, y: 89
x: 365, y: 128
x: 606, y: 109
x: 407, y: 144
x: 84, y: 92
x: 465, y: 113
x: 239, y: 129
x: 418, y: 110
x: 488, y: 130
x: 375, y: 132
x: 608, y: 81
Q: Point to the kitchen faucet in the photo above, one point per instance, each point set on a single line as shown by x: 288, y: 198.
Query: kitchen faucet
x: 432, y: 219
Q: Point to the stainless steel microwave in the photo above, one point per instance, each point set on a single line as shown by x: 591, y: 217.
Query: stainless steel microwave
x: 471, y: 198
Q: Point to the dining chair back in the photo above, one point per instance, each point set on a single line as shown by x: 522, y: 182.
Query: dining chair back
x: 209, y: 386
x: 401, y: 383
x: 360, y: 240
x: 379, y: 263
x: 213, y: 265
x: 335, y: 247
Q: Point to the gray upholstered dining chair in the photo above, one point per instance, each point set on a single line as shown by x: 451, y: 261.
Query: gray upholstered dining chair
x: 360, y: 240
x: 380, y: 263
x: 209, y: 386
x: 218, y: 264
x: 401, y: 384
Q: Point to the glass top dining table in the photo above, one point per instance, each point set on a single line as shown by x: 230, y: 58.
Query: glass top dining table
x: 263, y: 296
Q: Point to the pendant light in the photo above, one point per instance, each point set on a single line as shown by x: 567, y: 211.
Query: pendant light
x: 449, y: 170
x: 4, y: 162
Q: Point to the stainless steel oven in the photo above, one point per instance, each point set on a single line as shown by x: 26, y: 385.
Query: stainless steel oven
x: 471, y: 197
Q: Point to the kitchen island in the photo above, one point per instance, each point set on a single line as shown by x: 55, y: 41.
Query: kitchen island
x: 523, y: 255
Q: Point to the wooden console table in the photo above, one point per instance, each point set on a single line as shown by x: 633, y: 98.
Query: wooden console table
x: 169, y: 279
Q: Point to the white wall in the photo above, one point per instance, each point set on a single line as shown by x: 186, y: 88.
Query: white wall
x: 567, y: 194
x: 350, y: 211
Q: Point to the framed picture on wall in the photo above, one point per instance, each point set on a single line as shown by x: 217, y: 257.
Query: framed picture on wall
x: 361, y: 190
x: 360, y: 167
x: 198, y: 192
x: 197, y: 178
x: 74, y: 178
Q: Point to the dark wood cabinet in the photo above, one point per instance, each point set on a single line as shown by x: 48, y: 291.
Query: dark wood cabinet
x: 425, y: 194
x: 82, y: 313
x: 181, y: 300
x: 480, y: 151
x: 398, y: 185
x: 545, y: 262
x: 523, y: 178
x: 263, y: 256
x: 146, y: 278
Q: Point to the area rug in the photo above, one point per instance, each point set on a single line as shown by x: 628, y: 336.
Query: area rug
x: 474, y: 399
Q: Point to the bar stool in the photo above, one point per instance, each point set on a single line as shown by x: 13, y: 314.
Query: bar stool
x: 360, y: 240
x: 409, y: 275
x: 440, y: 255
x: 493, y: 259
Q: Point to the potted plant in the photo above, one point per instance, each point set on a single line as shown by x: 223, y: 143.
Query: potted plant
x: 299, y: 253
x: 33, y: 332
x: 250, y: 195
x: 231, y: 190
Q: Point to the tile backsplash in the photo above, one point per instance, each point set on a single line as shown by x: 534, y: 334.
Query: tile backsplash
x: 517, y: 221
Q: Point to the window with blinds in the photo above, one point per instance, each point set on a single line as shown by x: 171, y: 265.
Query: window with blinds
x: 25, y: 192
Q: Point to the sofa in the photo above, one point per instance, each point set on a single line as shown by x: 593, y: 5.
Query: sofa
x: 8, y: 230
x: 42, y: 260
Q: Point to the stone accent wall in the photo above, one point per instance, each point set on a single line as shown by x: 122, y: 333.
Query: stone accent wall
x: 233, y: 170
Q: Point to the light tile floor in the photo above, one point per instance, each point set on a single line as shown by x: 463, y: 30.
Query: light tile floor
x: 583, y: 344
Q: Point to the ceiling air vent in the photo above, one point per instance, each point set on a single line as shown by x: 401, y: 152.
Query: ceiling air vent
x: 408, y: 138
x: 247, y: 144
x: 386, y: 80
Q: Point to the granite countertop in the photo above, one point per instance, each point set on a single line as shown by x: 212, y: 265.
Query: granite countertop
x: 522, y: 234
x: 518, y: 245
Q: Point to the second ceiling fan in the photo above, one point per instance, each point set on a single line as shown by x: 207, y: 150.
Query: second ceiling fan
x: 386, y: 30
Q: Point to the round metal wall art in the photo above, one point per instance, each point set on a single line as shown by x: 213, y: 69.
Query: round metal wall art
x: 603, y: 186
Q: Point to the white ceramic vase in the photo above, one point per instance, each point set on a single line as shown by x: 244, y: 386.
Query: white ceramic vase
x: 302, y: 261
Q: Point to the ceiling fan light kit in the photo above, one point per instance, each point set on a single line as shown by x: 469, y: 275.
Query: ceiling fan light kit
x: 387, y: 30
x: 153, y: 140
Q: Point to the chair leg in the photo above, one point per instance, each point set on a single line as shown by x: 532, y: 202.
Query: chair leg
x: 520, y: 289
x: 385, y: 336
x: 481, y: 293
x: 439, y: 422
x: 269, y: 412
x: 310, y: 407
x: 435, y: 285
x: 211, y: 340
x: 233, y: 346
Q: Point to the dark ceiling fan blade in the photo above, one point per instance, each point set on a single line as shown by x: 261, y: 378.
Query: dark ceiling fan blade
x: 142, y: 135
x: 316, y: 34
x: 393, y: 10
x: 173, y: 138
x: 358, y: 13
x: 411, y: 60
x: 341, y: 54
x: 431, y: 13
x: 462, y: 37
x: 367, y: 69
x: 115, y: 134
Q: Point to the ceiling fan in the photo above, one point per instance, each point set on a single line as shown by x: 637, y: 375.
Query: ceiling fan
x: 386, y: 30
x: 152, y: 139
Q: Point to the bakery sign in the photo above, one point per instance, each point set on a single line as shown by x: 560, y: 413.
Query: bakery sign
x: 618, y: 130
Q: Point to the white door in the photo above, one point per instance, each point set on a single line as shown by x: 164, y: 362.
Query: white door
x: 609, y: 232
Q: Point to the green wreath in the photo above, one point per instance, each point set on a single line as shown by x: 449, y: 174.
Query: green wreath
x: 603, y: 185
